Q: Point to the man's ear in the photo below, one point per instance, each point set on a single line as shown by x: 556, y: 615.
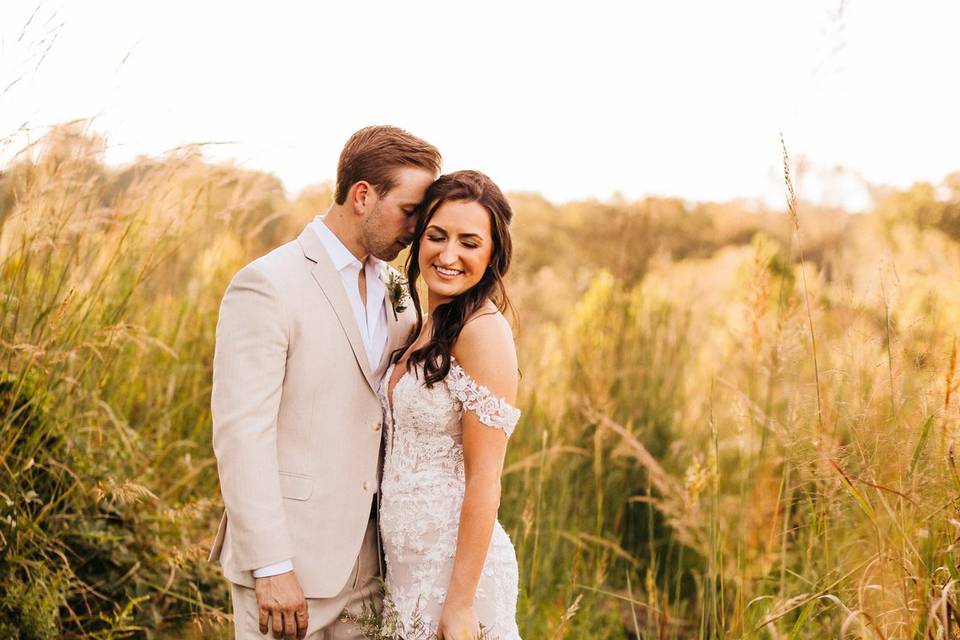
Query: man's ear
x: 360, y: 194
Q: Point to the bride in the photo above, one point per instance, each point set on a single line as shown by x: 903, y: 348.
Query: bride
x: 448, y: 399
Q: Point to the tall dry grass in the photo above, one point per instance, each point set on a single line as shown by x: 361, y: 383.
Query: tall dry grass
x: 110, y: 287
x: 684, y: 468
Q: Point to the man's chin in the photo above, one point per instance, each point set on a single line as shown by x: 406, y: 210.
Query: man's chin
x: 389, y: 254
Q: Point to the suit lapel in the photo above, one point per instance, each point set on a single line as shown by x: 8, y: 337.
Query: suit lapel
x: 395, y: 337
x: 395, y: 325
x: 330, y: 283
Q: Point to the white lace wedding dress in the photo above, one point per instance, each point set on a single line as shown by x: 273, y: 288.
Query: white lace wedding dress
x: 422, y: 491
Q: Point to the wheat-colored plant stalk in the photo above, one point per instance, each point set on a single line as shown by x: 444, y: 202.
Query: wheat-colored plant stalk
x: 792, y: 209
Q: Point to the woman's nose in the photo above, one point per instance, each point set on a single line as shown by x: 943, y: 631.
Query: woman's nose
x: 448, y: 255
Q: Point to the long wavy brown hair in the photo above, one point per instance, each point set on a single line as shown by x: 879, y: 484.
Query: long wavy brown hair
x: 450, y: 317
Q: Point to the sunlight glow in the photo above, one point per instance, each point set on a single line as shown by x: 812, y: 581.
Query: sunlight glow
x: 567, y: 99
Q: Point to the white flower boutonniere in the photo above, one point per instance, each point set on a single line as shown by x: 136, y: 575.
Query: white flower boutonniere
x: 397, y: 290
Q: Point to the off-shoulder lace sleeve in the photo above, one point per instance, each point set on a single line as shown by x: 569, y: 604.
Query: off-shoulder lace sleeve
x: 491, y: 410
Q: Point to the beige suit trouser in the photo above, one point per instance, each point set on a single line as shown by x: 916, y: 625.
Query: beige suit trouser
x: 362, y: 589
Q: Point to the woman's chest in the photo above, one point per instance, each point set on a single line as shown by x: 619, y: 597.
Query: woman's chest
x: 422, y: 410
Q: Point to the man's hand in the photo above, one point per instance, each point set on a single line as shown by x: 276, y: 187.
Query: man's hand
x: 281, y: 598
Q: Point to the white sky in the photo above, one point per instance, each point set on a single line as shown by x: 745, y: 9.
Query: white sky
x: 573, y: 100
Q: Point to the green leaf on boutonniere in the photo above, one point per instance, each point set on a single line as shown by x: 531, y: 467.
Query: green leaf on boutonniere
x: 397, y: 289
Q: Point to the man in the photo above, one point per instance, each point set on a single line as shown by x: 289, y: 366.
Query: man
x: 304, y: 336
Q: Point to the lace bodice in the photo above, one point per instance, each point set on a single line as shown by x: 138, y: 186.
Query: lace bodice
x: 466, y: 394
x: 421, y: 495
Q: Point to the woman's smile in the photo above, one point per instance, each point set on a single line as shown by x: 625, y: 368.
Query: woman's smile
x: 447, y: 273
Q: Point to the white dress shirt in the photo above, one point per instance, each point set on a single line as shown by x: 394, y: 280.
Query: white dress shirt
x: 371, y: 318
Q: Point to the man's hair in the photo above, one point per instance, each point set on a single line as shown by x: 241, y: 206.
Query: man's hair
x: 373, y: 154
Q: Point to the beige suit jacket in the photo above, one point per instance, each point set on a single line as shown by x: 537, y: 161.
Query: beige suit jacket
x: 296, y: 419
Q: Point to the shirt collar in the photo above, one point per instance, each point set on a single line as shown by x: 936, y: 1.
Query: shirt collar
x: 338, y: 252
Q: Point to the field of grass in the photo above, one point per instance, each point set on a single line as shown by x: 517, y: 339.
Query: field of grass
x: 736, y: 423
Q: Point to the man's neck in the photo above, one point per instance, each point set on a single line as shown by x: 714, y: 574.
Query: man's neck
x: 336, y: 219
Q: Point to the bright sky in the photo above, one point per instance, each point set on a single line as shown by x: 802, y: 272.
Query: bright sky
x: 573, y: 100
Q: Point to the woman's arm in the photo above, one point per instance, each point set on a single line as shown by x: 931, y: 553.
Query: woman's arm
x: 486, y: 352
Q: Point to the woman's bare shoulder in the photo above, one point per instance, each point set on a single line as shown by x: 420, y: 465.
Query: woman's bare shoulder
x: 486, y: 351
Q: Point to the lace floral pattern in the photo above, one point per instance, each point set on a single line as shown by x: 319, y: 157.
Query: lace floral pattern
x: 421, y: 496
x: 492, y: 411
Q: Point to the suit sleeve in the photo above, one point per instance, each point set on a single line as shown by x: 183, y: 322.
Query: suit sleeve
x: 248, y: 370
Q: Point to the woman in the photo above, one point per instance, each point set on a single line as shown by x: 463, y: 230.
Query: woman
x: 448, y: 398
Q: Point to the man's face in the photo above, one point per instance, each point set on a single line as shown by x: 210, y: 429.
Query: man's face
x: 389, y: 227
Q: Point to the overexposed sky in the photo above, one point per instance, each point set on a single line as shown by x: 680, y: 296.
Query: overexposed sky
x: 573, y: 100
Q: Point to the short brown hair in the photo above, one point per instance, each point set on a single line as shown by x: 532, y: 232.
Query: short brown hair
x: 373, y: 153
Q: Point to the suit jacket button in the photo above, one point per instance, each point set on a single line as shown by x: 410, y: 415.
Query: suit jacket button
x: 366, y: 486
x: 376, y: 426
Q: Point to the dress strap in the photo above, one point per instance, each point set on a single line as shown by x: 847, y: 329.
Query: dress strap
x: 491, y: 410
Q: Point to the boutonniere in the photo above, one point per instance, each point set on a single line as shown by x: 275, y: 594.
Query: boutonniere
x: 397, y: 288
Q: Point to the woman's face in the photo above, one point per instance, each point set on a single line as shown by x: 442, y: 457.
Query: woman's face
x: 455, y: 249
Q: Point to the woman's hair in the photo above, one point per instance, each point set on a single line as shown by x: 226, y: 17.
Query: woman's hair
x: 450, y: 317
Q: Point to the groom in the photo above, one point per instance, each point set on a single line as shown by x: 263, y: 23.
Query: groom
x: 303, y: 338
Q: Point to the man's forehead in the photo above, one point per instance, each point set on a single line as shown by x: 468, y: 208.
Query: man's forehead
x: 413, y: 177
x: 408, y: 194
x: 405, y: 199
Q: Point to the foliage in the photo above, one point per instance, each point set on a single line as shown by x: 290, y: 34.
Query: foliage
x: 678, y: 470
